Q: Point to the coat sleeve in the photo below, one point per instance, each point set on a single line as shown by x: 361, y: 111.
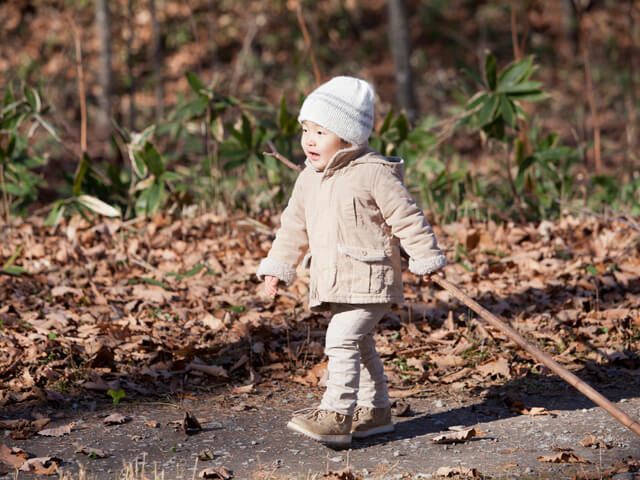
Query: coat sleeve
x: 291, y: 240
x: 407, y: 222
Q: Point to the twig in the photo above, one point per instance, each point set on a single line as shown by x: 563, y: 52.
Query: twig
x: 274, y: 153
x: 539, y: 355
x: 586, y: 211
x: 244, y: 52
x: 140, y: 262
x: 307, y: 40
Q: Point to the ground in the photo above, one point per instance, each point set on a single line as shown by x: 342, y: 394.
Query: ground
x: 246, y: 434
x: 153, y: 318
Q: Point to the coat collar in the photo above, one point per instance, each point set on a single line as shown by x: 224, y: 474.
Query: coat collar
x: 340, y: 159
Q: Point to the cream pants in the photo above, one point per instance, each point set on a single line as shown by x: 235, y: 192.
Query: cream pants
x: 356, y: 374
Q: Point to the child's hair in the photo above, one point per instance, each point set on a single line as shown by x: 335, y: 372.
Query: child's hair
x: 344, y: 106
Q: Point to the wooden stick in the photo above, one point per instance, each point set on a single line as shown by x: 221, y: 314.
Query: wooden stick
x: 275, y: 153
x: 540, y: 356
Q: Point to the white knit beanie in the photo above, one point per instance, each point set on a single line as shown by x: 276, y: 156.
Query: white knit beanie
x: 344, y: 106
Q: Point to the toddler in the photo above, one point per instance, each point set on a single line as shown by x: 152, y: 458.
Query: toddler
x: 351, y: 211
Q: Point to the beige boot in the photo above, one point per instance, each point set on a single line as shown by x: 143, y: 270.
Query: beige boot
x: 371, y: 421
x: 323, y: 426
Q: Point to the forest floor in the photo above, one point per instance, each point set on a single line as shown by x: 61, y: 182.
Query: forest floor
x: 149, y: 320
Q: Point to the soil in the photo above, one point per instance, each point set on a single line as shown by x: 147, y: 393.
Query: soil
x: 246, y: 434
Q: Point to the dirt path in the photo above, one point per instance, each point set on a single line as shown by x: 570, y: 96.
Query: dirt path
x: 246, y: 434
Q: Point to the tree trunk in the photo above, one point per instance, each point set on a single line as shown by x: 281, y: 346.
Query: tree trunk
x: 156, y: 54
x: 399, y: 40
x: 105, y: 75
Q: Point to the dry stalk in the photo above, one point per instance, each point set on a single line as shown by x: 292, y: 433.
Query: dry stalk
x: 586, y: 59
x: 5, y: 200
x: 81, y: 89
x: 514, y: 32
x: 307, y: 40
x: 512, y: 184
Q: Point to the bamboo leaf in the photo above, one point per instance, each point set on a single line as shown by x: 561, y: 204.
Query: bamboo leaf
x: 153, y: 159
x: 47, y: 126
x: 96, y: 205
x: 55, y: 215
x: 283, y: 114
x: 246, y: 132
x: 33, y: 99
x: 523, y: 87
x: 534, y: 96
x: 476, y: 100
x: 196, y: 83
x: 487, y: 112
x: 490, y: 70
x: 508, y: 111
x: 13, y: 257
x: 514, y: 73
x: 386, y: 124
x: 85, y: 163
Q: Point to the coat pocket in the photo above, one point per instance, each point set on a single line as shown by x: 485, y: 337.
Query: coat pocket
x: 362, y: 269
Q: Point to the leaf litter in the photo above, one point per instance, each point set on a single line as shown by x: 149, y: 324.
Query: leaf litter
x: 134, y: 304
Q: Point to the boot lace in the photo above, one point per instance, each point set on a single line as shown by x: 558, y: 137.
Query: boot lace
x: 312, y: 413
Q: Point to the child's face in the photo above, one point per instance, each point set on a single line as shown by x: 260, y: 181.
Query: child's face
x: 319, y: 144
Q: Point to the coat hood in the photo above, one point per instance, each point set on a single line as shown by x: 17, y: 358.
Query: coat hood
x: 358, y: 156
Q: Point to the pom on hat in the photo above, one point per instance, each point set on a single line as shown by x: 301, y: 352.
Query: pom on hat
x: 344, y: 106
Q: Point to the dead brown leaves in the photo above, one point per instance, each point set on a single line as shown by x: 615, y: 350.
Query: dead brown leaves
x: 563, y: 457
x: 458, y: 436
x: 219, y: 473
x: 18, y: 459
x: 134, y: 303
x: 457, y: 472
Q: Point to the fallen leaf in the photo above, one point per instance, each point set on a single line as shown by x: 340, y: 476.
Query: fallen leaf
x: 457, y: 437
x: 457, y: 471
x: 152, y: 424
x: 447, y: 361
x: 563, y: 457
x: 205, y: 455
x: 92, y: 452
x: 341, y: 475
x: 591, y: 441
x: 56, y: 431
x: 400, y: 409
x: 518, y: 407
x: 221, y: 473
x: 14, y: 424
x: 242, y: 406
x: 13, y: 457
x: 396, y: 393
x: 496, y: 367
x: 190, y: 423
x: 244, y: 389
x: 212, y: 370
x: 115, y: 419
x: 41, y: 465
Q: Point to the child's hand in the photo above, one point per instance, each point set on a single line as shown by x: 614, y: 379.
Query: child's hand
x: 271, y: 285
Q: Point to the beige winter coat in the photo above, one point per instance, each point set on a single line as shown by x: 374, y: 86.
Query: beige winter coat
x: 352, y: 218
